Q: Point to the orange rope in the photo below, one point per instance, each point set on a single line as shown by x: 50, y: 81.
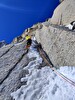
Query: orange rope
x: 56, y: 72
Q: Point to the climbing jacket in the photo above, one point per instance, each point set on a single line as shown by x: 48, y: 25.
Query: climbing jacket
x: 29, y: 41
x: 28, y: 37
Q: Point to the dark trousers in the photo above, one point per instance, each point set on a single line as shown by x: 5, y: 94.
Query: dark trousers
x: 29, y: 41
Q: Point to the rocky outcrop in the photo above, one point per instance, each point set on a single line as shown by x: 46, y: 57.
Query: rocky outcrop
x: 64, y: 13
x: 59, y: 44
x: 29, y: 31
x: 18, y: 39
x: 2, y: 43
x: 12, y: 60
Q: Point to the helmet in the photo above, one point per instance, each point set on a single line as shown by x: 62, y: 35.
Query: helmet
x: 28, y: 37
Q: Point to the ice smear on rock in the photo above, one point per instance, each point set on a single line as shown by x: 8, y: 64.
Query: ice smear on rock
x: 44, y: 84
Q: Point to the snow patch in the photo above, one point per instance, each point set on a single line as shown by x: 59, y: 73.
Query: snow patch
x: 44, y: 84
x: 69, y: 26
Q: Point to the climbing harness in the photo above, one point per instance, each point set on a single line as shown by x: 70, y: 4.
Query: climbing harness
x: 54, y: 69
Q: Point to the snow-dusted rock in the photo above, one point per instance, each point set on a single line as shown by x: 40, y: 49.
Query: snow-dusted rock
x: 44, y: 84
x: 12, y: 61
x: 2, y: 43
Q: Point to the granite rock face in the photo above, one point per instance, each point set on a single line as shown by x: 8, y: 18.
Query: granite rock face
x: 56, y: 40
x: 59, y: 44
x: 30, y: 31
x: 64, y: 13
x: 12, y: 60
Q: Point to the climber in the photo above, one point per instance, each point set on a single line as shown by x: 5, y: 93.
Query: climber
x: 29, y: 41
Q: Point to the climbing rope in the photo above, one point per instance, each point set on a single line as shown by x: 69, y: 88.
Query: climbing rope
x: 54, y: 69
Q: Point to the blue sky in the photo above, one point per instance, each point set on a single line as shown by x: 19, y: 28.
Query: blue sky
x: 17, y: 15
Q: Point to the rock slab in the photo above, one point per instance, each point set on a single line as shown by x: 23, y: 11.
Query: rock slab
x: 58, y: 43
